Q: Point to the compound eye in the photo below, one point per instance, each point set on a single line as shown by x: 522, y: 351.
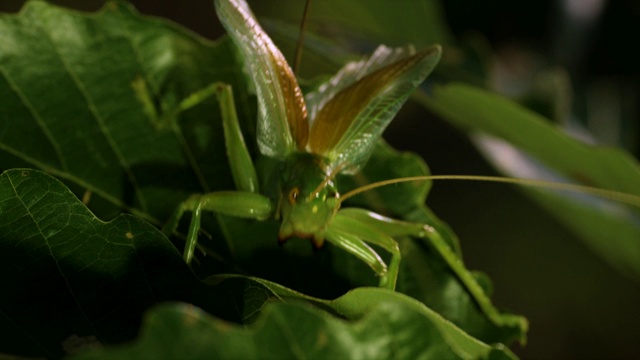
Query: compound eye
x: 293, y: 195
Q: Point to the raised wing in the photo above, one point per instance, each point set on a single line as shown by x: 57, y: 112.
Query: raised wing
x: 350, y: 112
x: 282, y: 121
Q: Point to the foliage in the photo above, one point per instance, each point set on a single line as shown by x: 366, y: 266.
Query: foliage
x: 71, y: 127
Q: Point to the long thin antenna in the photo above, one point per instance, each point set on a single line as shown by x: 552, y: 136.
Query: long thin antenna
x: 618, y: 196
x: 326, y: 180
x: 303, y: 25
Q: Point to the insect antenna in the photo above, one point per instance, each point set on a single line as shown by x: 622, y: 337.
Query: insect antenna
x: 303, y: 24
x: 617, y: 196
x: 334, y: 172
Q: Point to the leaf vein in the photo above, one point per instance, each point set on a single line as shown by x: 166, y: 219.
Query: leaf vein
x: 36, y: 117
x: 100, y: 122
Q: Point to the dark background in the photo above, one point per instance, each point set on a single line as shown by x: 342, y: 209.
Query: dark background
x: 578, y: 306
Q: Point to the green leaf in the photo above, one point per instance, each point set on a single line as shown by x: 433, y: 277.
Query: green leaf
x: 478, y: 110
x: 611, y: 229
x: 75, y: 113
x: 99, y: 277
x: 379, y: 325
x: 66, y: 272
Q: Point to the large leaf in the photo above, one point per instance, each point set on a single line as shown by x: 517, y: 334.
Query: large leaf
x: 75, y: 114
x: 99, y: 277
x: 391, y: 326
x: 65, y: 272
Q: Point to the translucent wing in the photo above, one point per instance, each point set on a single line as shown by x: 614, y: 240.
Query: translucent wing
x: 350, y: 112
x: 282, y: 122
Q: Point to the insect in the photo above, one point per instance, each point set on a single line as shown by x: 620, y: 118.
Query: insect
x: 312, y: 139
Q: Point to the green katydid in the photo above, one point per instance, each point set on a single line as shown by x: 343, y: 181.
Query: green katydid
x: 313, y: 138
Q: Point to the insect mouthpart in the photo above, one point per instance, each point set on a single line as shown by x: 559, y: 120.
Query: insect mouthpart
x: 306, y: 214
x: 317, y: 239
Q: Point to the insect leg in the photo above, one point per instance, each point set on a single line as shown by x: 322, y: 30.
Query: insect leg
x: 242, y: 168
x: 241, y: 204
x: 354, y: 230
x: 246, y: 202
x: 398, y: 228
x: 349, y: 242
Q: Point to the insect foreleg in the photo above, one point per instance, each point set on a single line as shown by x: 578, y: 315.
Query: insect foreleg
x: 352, y: 232
x: 352, y: 244
x: 241, y: 204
